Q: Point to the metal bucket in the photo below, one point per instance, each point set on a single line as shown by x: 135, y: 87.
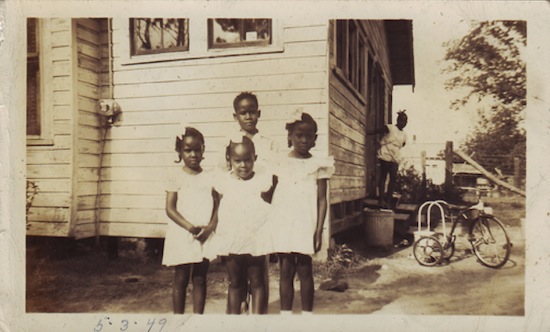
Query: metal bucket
x: 378, y: 227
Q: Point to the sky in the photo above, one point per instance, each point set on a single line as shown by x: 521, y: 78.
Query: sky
x: 431, y: 120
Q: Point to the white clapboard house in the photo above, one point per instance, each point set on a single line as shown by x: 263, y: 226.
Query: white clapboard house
x: 92, y: 179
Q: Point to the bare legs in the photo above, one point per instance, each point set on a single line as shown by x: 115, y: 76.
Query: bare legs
x: 386, y: 168
x: 181, y: 281
x: 254, y: 267
x: 286, y: 281
x: 290, y: 264
x: 236, y: 285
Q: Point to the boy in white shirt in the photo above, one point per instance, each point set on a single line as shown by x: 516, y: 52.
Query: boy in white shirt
x: 247, y: 114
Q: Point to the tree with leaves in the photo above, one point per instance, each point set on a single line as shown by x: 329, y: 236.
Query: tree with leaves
x: 488, y: 62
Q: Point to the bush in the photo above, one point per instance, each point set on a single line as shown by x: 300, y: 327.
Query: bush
x: 32, y: 189
x: 409, y: 185
x: 341, y: 259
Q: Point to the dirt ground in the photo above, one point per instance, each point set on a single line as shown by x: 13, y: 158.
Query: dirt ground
x: 77, y: 277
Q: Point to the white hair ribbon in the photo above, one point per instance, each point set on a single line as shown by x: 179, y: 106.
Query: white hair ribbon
x: 295, y: 115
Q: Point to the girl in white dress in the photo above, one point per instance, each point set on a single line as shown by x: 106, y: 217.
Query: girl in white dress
x: 299, y: 208
x: 190, y: 205
x: 241, y: 231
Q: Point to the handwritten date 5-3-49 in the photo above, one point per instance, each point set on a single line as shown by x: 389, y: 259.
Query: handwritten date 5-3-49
x: 105, y: 324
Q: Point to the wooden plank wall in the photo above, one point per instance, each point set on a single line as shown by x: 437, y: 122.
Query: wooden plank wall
x: 50, y: 167
x: 91, y: 41
x: 348, y: 119
x: 379, y: 46
x: 157, y: 97
x: 376, y: 31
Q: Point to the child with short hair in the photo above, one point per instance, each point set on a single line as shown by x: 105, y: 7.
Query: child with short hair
x: 240, y: 233
x: 247, y: 114
x: 190, y: 205
x: 299, y: 210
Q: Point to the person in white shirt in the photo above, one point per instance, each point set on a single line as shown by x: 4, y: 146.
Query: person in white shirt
x: 247, y: 113
x: 389, y: 156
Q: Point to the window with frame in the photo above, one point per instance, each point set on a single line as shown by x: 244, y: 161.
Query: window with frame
x: 377, y: 94
x: 351, y: 54
x: 34, y: 127
x: 233, y: 32
x: 159, y: 35
x: 39, y: 97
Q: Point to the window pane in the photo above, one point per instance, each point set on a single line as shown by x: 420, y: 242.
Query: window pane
x: 352, y: 54
x: 341, y: 43
x: 33, y: 88
x: 226, y: 31
x: 175, y: 33
x: 33, y: 78
x: 159, y: 35
x: 361, y: 78
x: 257, y: 29
x: 154, y: 34
x: 239, y: 32
x: 32, y: 45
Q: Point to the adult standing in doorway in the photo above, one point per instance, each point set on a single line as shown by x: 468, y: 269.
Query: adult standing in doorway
x: 389, y: 156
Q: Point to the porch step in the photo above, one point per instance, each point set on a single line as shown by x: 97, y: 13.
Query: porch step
x: 402, y: 217
x: 400, y: 209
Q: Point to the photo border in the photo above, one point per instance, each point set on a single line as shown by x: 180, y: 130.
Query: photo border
x: 12, y: 149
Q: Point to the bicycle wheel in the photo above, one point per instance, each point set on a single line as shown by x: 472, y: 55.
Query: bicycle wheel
x: 428, y: 251
x: 489, y: 241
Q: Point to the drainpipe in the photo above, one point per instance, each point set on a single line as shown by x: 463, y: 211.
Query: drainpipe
x: 110, y: 115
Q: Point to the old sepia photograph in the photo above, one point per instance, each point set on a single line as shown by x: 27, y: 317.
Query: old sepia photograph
x: 187, y: 163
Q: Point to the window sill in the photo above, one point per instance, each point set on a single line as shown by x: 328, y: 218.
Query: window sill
x: 31, y: 141
x: 211, y: 53
x: 340, y: 75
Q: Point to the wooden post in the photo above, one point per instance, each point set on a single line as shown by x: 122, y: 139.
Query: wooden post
x: 517, y: 178
x: 448, y: 169
x: 423, y: 163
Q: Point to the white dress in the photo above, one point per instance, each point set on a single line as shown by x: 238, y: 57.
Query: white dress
x: 242, y: 216
x: 195, y: 204
x: 294, y: 207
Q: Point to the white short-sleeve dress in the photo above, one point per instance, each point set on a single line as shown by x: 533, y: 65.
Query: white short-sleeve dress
x: 242, y: 216
x: 293, y: 216
x: 195, y: 204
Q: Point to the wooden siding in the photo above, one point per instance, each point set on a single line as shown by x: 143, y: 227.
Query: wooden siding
x: 50, y: 166
x: 350, y: 117
x: 91, y: 41
x: 157, y: 97
x: 378, y: 45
